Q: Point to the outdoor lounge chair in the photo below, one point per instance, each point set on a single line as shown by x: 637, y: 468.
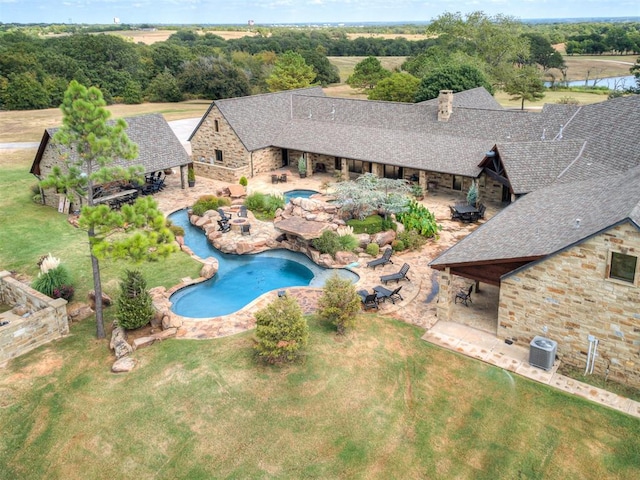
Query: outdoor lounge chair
x: 383, y: 260
x: 464, y: 296
x: 384, y: 293
x: 400, y: 275
x: 369, y: 300
x: 242, y: 212
x: 223, y: 215
x: 245, y: 229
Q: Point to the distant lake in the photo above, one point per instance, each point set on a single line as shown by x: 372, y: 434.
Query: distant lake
x: 612, y: 83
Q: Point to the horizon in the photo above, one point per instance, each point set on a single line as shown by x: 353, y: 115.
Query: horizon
x: 299, y: 12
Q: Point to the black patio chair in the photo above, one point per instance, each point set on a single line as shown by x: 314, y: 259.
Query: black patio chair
x: 242, y: 213
x: 384, y: 293
x: 454, y: 213
x: 224, y: 226
x: 223, y: 215
x: 245, y: 229
x: 464, y: 296
x: 369, y: 300
x: 400, y: 275
x: 383, y: 260
x: 275, y: 178
x: 481, y: 210
x: 283, y: 178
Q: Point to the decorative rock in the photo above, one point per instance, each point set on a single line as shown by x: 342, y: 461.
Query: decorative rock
x: 345, y: 258
x: 122, y: 349
x: 363, y: 239
x: 78, y: 311
x: 143, y: 342
x: 209, y: 269
x: 20, y: 310
x: 384, y: 238
x: 118, y: 334
x: 123, y: 365
x: 106, y: 300
x: 170, y: 321
x: 180, y: 240
x: 169, y: 332
x: 244, y: 247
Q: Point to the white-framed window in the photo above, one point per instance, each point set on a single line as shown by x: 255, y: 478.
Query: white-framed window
x: 622, y: 267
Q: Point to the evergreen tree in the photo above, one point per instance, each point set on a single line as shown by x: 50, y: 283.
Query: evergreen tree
x: 135, y: 307
x: 339, y: 303
x: 281, y: 330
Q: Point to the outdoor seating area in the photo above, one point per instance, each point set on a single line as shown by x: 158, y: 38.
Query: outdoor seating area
x: 464, y: 296
x: 467, y: 213
x: 384, y: 293
x: 369, y: 300
x: 275, y: 178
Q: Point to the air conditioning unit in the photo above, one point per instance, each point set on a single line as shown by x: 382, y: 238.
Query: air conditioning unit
x: 542, y: 353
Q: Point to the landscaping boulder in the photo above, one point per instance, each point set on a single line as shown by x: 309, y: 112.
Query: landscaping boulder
x: 106, y: 299
x: 210, y: 268
x: 123, y: 365
x: 384, y: 238
x: 78, y: 311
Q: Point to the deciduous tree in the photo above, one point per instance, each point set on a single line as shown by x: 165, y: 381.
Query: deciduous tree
x: 526, y: 84
x: 367, y: 73
x: 451, y: 77
x: 339, y: 303
x: 399, y: 87
x: 281, y: 330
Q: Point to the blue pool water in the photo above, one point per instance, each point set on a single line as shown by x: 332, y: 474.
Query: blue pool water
x: 242, y: 278
x: 298, y: 194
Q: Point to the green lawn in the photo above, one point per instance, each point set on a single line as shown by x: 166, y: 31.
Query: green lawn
x: 377, y: 403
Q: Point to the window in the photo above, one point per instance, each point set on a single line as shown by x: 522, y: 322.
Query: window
x: 216, y: 126
x: 337, y: 164
x: 219, y: 156
x: 457, y: 183
x: 392, y: 172
x: 623, y: 267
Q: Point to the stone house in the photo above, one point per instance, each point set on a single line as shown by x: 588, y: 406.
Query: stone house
x: 158, y: 150
x: 566, y: 259
x: 445, y: 143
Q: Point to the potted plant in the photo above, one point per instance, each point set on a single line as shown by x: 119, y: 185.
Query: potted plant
x: 302, y: 167
x: 191, y: 177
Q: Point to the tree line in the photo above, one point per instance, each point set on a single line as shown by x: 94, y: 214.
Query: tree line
x: 475, y: 49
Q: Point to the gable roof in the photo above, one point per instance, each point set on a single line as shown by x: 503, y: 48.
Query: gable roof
x: 549, y: 220
x: 477, y: 97
x: 158, y: 146
x: 257, y: 119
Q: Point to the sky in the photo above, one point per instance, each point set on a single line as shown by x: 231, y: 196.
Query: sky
x: 268, y: 12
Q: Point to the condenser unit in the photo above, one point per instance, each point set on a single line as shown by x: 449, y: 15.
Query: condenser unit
x: 542, y: 353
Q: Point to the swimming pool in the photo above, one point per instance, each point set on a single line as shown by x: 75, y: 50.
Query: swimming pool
x: 242, y: 278
x: 298, y: 194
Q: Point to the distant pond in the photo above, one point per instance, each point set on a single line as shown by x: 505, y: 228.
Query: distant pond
x: 612, y: 83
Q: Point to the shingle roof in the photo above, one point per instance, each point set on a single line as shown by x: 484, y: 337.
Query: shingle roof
x: 474, y: 98
x: 551, y: 219
x: 158, y: 146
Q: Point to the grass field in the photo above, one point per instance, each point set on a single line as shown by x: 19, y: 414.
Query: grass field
x: 377, y: 403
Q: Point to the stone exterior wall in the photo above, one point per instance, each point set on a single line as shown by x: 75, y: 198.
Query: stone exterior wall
x: 489, y: 190
x: 568, y: 297
x: 44, y: 320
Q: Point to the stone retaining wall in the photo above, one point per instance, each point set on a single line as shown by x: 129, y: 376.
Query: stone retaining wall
x: 35, y: 320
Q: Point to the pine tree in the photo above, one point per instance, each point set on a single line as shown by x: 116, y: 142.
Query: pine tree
x: 134, y: 304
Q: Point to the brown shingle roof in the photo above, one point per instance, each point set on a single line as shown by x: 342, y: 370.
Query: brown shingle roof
x: 551, y: 219
x: 158, y: 146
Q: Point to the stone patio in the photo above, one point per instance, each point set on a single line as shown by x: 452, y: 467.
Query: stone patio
x: 473, y: 332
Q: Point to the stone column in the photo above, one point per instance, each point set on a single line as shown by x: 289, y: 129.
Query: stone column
x: 444, y: 309
x: 422, y: 181
x: 345, y: 169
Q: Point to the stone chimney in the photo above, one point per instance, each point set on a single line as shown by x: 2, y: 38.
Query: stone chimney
x: 445, y: 105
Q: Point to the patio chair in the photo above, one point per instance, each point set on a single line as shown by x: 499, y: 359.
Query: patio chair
x: 223, y: 215
x: 369, y: 300
x: 274, y: 178
x: 242, y: 213
x: 245, y: 229
x: 454, y: 213
x: 383, y: 260
x: 464, y: 296
x: 400, y: 275
x: 283, y: 178
x: 224, y: 226
x: 481, y: 210
x: 384, y: 293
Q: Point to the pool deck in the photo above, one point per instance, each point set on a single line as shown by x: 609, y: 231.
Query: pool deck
x: 471, y: 334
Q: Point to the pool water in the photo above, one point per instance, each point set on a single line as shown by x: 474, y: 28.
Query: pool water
x: 242, y: 278
x: 298, y: 194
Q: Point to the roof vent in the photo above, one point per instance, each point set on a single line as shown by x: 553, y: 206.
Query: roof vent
x: 577, y: 224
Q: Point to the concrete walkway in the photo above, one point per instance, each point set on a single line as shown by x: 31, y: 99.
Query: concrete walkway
x: 420, y: 294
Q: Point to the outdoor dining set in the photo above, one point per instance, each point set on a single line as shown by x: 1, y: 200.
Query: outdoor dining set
x: 467, y: 213
x: 381, y: 293
x: 118, y: 193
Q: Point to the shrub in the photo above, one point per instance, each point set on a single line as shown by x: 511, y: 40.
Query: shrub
x: 255, y: 202
x: 177, y: 230
x: 398, y: 245
x: 373, y: 249
x: 64, y: 291
x: 50, y: 280
x: 388, y: 224
x: 134, y: 305
x: 264, y: 204
x: 207, y: 202
x: 371, y: 224
x: 347, y: 243
x: 339, y: 303
x: 243, y: 181
x: 419, y: 218
x: 273, y: 203
x: 472, y: 194
x: 281, y: 330
x: 327, y: 243
x: 411, y: 239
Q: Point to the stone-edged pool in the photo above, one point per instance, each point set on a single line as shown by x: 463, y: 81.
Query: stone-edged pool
x: 242, y: 278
